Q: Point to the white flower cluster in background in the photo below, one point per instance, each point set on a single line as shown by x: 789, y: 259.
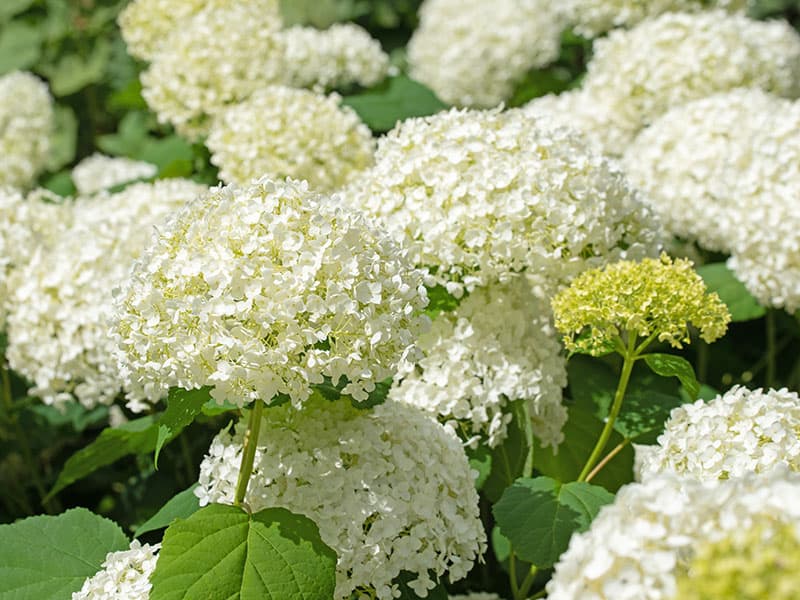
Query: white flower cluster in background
x: 340, y: 56
x: 125, y: 575
x: 145, y: 24
x: 637, y: 75
x: 703, y: 165
x: 473, y: 53
x: 496, y: 347
x: 591, y: 18
x: 26, y: 124
x: 481, y: 194
x: 642, y: 544
x: 286, y: 132
x: 62, y: 298
x: 264, y: 290
x: 390, y: 489
x: 99, y: 172
x: 739, y: 432
x: 217, y: 57
x: 27, y: 224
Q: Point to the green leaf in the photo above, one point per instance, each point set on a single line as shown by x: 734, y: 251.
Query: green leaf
x: 648, y: 401
x: 223, y: 552
x: 407, y: 593
x: 73, y: 414
x: 64, y: 138
x: 480, y: 459
x: 182, y: 408
x: 73, y: 72
x: 440, y: 300
x: 670, y: 365
x: 539, y: 516
x: 581, y: 432
x: 181, y: 506
x: 48, y: 558
x: 20, y: 46
x: 741, y: 303
x: 514, y: 457
x: 10, y: 8
x: 396, y: 99
x: 135, y: 437
x: 331, y: 392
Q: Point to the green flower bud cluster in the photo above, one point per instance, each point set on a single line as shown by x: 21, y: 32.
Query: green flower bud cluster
x: 653, y: 299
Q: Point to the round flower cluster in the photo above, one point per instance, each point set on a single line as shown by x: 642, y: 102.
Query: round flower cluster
x: 98, y: 172
x: 473, y: 53
x: 285, y: 132
x: 638, y: 74
x: 664, y: 530
x: 653, y: 298
x: 217, y: 57
x: 591, y: 18
x: 26, y: 124
x: 340, y: 56
x: 145, y: 24
x: 62, y: 298
x: 390, y: 489
x: 264, y: 290
x: 125, y: 575
x: 27, y: 224
x: 497, y: 346
x: 742, y: 145
x: 739, y: 432
x: 480, y: 194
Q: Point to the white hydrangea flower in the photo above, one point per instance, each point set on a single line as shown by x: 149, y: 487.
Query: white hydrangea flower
x: 704, y: 165
x: 99, y: 172
x: 125, y: 575
x: 26, y: 124
x: 481, y: 194
x: 264, y: 290
x: 497, y: 346
x: 638, y: 546
x: 340, y: 56
x: 145, y: 24
x: 218, y: 57
x: 736, y: 433
x: 285, y: 132
x: 390, y: 489
x: 473, y: 53
x: 27, y: 223
x: 636, y: 75
x: 62, y: 298
x: 591, y: 18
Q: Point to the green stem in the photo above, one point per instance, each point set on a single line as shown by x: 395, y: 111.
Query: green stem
x: 249, y: 451
x: 771, y: 348
x: 512, y: 574
x: 629, y: 358
x: 528, y: 582
x: 616, y: 450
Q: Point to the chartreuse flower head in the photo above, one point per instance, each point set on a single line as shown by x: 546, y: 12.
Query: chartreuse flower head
x: 651, y: 299
x: 760, y: 563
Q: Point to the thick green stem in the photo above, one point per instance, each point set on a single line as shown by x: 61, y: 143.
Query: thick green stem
x: 249, y: 451
x: 528, y: 582
x: 512, y: 574
x: 771, y: 349
x: 629, y: 359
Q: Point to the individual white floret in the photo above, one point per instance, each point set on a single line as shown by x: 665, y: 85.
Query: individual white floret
x: 218, y: 57
x: 390, y: 489
x: 591, y: 18
x: 337, y: 57
x: 639, y: 74
x: 641, y: 545
x: 27, y: 223
x: 739, y: 432
x: 266, y: 289
x: 479, y: 195
x: 284, y: 132
x: 99, y: 172
x: 496, y: 347
x: 125, y: 575
x: 473, y: 53
x: 145, y: 24
x: 61, y: 299
x: 26, y: 125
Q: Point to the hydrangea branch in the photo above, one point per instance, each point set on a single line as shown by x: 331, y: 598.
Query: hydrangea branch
x: 249, y: 451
